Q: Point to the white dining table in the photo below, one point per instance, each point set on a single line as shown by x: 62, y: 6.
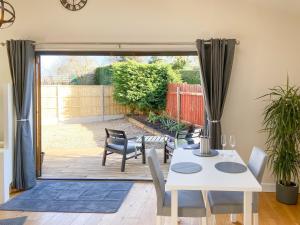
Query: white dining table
x: 211, y: 179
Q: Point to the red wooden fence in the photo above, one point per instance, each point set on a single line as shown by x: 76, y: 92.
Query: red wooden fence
x: 185, y: 102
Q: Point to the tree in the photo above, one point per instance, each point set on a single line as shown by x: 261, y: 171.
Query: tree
x: 155, y: 59
x: 179, y: 63
x: 77, y: 66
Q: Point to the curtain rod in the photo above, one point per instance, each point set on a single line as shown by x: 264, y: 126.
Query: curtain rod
x: 119, y: 44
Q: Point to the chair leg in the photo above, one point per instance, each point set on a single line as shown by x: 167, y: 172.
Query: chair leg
x: 144, y: 154
x: 123, y: 163
x: 159, y: 220
x: 104, y: 158
x: 233, y: 218
x: 255, y: 219
x: 165, y: 155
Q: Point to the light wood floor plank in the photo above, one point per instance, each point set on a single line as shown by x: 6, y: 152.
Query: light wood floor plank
x: 139, y: 209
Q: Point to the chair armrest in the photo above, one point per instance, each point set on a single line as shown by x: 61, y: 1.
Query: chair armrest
x: 132, y: 138
x: 169, y: 138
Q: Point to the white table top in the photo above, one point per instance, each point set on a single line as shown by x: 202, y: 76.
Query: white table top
x: 209, y: 178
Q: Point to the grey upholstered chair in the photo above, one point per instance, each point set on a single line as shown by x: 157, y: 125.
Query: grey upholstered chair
x: 222, y: 202
x: 190, y: 203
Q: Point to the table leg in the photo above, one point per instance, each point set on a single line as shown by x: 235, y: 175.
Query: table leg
x: 174, y: 207
x: 247, y: 208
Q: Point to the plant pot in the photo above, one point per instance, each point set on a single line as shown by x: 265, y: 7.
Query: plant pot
x: 287, y: 194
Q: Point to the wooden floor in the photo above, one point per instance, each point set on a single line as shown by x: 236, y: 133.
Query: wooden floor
x: 75, y: 151
x: 139, y: 209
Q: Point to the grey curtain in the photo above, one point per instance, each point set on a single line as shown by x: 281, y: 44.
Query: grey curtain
x: 216, y: 58
x: 21, y: 62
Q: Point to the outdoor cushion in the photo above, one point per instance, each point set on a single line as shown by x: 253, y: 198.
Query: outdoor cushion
x: 171, y: 144
x: 193, y: 140
x: 131, y: 147
x: 190, y: 204
x: 227, y: 202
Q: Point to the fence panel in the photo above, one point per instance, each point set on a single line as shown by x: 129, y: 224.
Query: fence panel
x: 79, y: 102
x: 185, y: 102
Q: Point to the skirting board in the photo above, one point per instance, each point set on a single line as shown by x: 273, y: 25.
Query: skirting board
x: 269, y: 187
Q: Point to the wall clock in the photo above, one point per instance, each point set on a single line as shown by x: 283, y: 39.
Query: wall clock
x: 73, y: 5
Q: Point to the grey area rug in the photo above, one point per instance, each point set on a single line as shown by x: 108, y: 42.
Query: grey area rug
x: 75, y: 197
x: 14, y: 221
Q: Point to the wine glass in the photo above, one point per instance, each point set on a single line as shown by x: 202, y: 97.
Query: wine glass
x: 223, y: 141
x: 232, y: 142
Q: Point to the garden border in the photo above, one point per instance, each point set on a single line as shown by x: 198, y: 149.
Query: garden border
x: 143, y: 126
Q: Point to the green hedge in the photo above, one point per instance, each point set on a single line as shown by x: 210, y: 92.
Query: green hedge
x: 190, y: 76
x: 103, y: 75
x: 142, y: 86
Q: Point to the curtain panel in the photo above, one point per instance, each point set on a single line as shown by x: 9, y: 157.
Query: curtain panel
x: 21, y: 62
x: 216, y: 59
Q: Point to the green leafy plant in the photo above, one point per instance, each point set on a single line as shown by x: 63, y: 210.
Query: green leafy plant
x: 103, y: 75
x: 177, y: 127
x: 153, y: 118
x: 190, y: 76
x: 170, y: 124
x: 142, y: 86
x: 282, y: 124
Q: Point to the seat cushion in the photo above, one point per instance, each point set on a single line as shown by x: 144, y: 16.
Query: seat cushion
x: 194, y: 140
x: 131, y: 147
x: 190, y: 146
x: 171, y: 144
x: 227, y: 202
x: 190, y: 204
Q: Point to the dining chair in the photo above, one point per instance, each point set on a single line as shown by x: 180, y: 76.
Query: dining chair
x: 117, y: 142
x: 230, y: 202
x: 190, y: 203
x: 185, y: 139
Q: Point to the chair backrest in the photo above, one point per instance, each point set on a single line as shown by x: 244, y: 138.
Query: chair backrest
x: 186, y: 134
x: 116, y: 136
x: 257, y: 163
x: 181, y: 134
x: 157, y: 176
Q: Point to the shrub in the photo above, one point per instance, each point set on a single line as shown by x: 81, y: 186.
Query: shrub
x: 171, y: 125
x: 103, y: 75
x: 153, y: 118
x: 190, y: 76
x: 166, y: 123
x: 142, y: 86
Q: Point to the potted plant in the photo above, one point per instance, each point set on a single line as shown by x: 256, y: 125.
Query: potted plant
x: 282, y: 124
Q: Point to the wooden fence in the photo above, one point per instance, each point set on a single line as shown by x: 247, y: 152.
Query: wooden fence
x: 185, y: 103
x: 79, y: 103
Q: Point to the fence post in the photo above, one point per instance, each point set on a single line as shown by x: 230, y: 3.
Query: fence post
x: 178, y: 103
x: 103, y: 102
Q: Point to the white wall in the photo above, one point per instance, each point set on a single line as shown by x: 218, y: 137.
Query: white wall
x: 268, y: 31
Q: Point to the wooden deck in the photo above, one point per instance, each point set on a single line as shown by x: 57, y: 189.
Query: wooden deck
x: 89, y: 166
x: 75, y: 151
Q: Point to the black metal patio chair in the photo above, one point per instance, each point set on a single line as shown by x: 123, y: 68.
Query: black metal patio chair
x: 185, y: 139
x: 117, y: 142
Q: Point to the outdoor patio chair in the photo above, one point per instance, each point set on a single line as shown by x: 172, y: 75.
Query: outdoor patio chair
x: 117, y: 142
x: 184, y: 139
